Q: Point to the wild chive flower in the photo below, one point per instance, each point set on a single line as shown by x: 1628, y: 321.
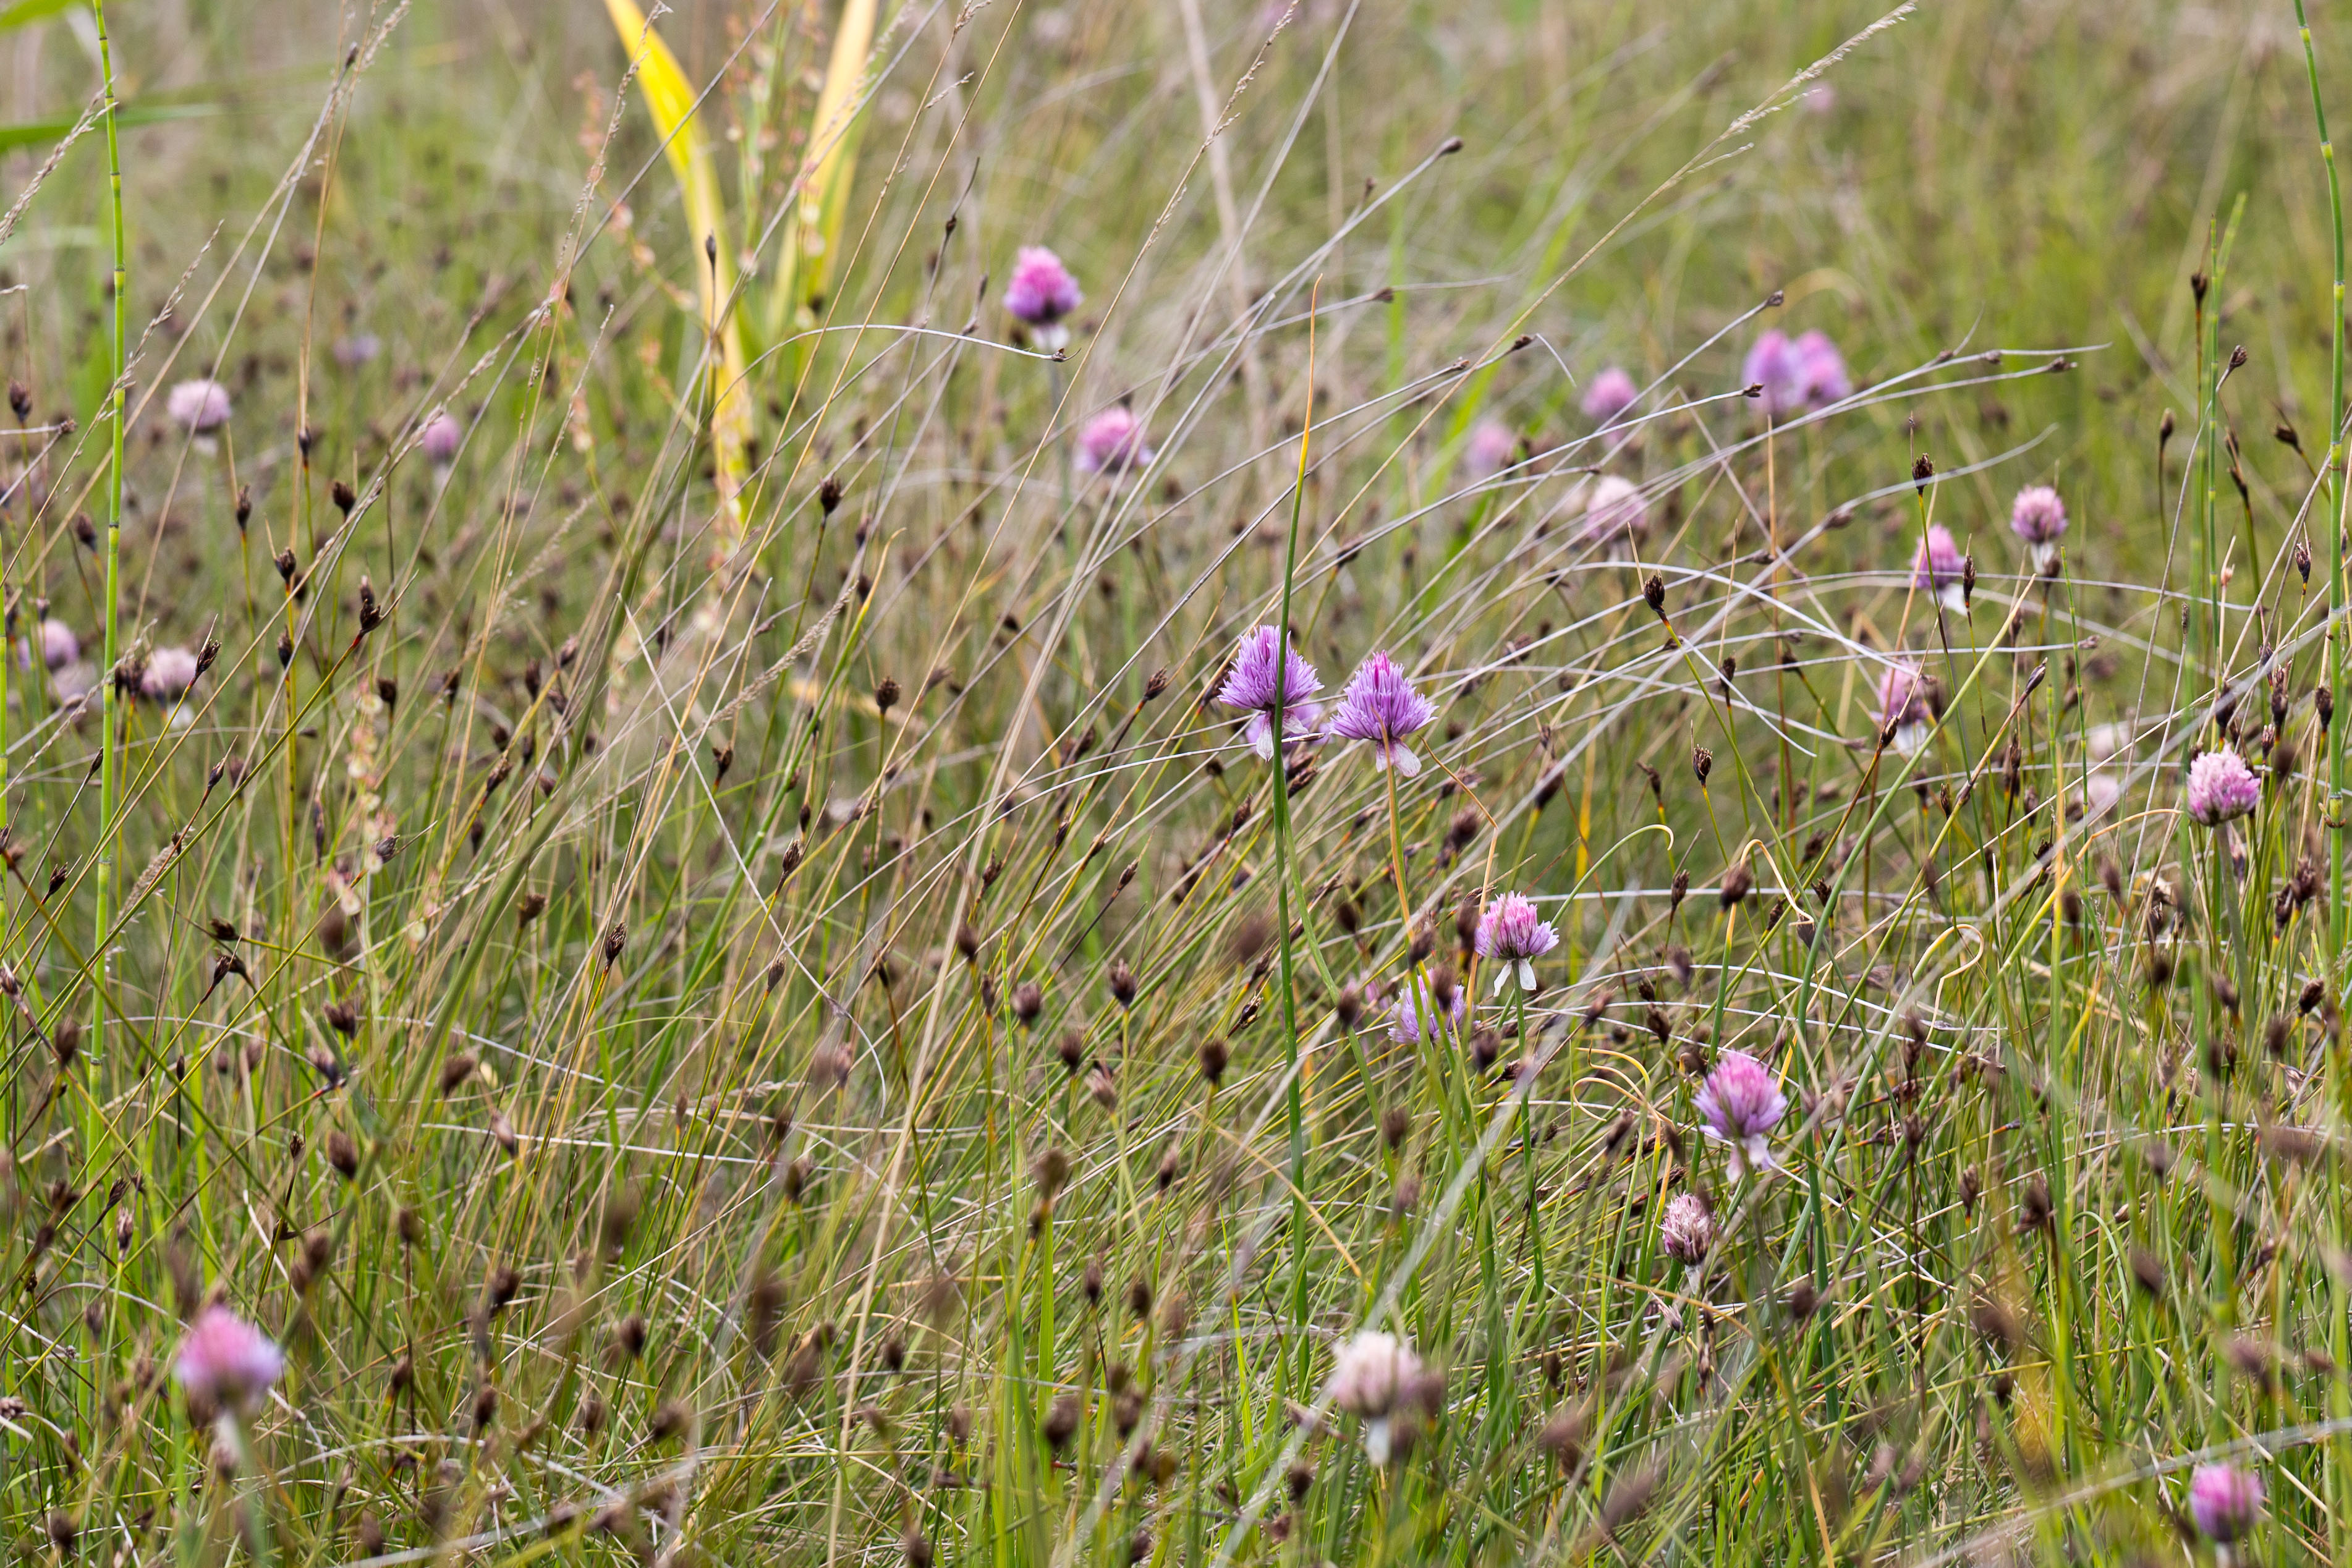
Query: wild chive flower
x: 169, y: 674
x: 1938, y: 568
x: 1511, y: 933
x: 2220, y: 785
x: 59, y: 646
x: 1372, y: 1374
x: 2225, y: 1500
x: 1740, y: 1105
x: 1687, y: 1229
x: 1903, y: 708
x: 225, y: 1363
x: 1490, y: 450
x: 1613, y: 510
x: 1797, y: 374
x: 1042, y: 292
x: 357, y: 350
x: 1612, y: 392
x: 440, y: 437
x: 1379, y: 705
x: 2038, y: 517
x: 1112, y: 443
x: 1268, y: 673
x: 1416, y: 1007
x: 199, y: 407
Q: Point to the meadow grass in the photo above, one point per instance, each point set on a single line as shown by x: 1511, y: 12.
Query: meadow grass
x: 647, y: 861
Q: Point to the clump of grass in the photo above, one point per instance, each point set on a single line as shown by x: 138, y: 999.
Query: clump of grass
x: 1396, y: 870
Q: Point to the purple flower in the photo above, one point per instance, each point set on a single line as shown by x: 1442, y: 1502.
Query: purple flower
x: 1112, y: 443
x: 1613, y: 509
x: 440, y: 437
x: 1372, y: 1374
x: 1379, y: 705
x: 1490, y: 450
x: 58, y: 645
x: 1612, y: 392
x: 1797, y: 374
x: 1820, y: 99
x: 1740, y: 1105
x: 1416, y: 1007
x: 1822, y: 370
x: 2220, y: 785
x: 2225, y: 1500
x: 1511, y: 934
x: 357, y: 350
x: 225, y: 1363
x: 199, y: 406
x: 1938, y: 568
x: 170, y: 673
x: 2038, y: 517
x: 1904, y: 707
x: 1268, y: 674
x: 1042, y: 292
x: 1687, y: 1229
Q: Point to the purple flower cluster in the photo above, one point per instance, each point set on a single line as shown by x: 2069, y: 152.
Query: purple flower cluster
x: 1489, y: 451
x: 2225, y: 1501
x: 2220, y: 786
x: 1905, y: 712
x: 1938, y: 568
x: 1417, y: 1009
x: 2038, y: 517
x: 1041, y: 293
x: 1112, y: 443
x: 440, y: 437
x: 1380, y: 707
x: 1268, y: 676
x: 1739, y: 1106
x: 1611, y: 393
x: 199, y: 407
x: 1687, y: 1229
x: 224, y: 1362
x: 1613, y: 510
x: 1797, y: 374
x: 1513, y: 935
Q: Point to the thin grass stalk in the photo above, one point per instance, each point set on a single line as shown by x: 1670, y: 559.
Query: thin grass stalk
x: 2334, y: 477
x: 107, y: 698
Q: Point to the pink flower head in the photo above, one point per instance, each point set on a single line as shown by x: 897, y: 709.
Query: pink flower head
x: 58, y: 643
x: 357, y: 350
x: 2225, y: 1500
x: 1739, y: 1106
x: 1372, y: 1374
x: 225, y: 1363
x: 1820, y: 99
x: 1112, y: 443
x: 2220, y: 785
x: 1938, y: 568
x: 170, y: 673
x: 1612, y: 392
x: 1417, y: 1007
x: 1269, y: 674
x: 1613, y: 510
x: 439, y: 438
x: 1904, y: 707
x: 1381, y: 706
x: 1042, y: 291
x: 1512, y: 935
x: 1821, y: 369
x: 1490, y: 450
x: 1687, y: 1229
x: 2038, y: 517
x: 199, y: 406
x: 1797, y: 374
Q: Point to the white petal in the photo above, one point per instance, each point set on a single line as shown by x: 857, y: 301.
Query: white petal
x: 1954, y: 598
x: 1376, y: 1440
x: 1502, y: 978
x: 1407, y: 764
x: 1527, y: 976
x: 1259, y: 733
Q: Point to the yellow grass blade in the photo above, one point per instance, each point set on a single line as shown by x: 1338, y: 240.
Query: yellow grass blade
x: 669, y: 98
x: 821, y: 194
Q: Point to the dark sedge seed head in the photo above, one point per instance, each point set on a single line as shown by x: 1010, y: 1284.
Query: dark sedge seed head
x: 1072, y: 1050
x: 1654, y: 595
x: 885, y: 695
x: 345, y: 498
x: 1396, y: 1126
x: 244, y: 506
x: 284, y: 562
x: 1679, y: 890
x: 2312, y: 994
x: 1122, y: 982
x: 616, y: 936
x: 1702, y: 763
x: 1214, y: 1056
x: 828, y: 495
x: 20, y: 400
x: 1028, y: 1001
x: 1738, y: 882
